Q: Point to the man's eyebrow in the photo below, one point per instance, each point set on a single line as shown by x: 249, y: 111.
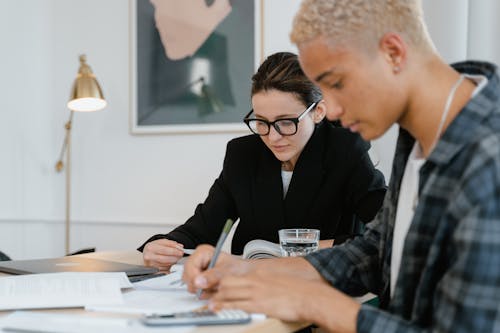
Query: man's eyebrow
x: 324, y: 74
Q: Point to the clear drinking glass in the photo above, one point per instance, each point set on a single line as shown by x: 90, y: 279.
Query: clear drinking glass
x: 298, y: 242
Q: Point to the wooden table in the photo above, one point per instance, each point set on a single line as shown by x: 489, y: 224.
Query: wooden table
x: 270, y: 325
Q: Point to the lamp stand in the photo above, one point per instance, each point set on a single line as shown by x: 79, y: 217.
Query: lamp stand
x: 66, y: 150
x: 86, y: 96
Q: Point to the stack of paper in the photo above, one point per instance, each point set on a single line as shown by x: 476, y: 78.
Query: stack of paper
x: 164, y: 294
x: 71, y: 323
x: 61, y: 290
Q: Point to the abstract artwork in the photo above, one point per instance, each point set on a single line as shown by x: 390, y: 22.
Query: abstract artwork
x: 192, y: 62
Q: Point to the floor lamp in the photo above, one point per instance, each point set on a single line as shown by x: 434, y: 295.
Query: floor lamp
x: 86, y: 96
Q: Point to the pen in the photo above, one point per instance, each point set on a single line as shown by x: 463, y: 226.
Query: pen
x: 218, y: 248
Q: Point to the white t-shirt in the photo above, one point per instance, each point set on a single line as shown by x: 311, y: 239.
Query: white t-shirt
x: 286, y: 178
x: 408, y: 196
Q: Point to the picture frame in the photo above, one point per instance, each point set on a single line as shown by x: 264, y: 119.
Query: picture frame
x: 167, y: 98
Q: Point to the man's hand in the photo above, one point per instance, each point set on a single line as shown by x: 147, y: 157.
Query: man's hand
x: 162, y: 253
x: 288, y: 298
x: 326, y: 243
x: 197, y: 277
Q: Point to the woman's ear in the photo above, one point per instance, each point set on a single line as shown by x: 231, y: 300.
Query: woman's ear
x: 319, y: 112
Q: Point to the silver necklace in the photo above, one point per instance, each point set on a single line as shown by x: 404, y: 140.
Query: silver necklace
x: 446, y: 109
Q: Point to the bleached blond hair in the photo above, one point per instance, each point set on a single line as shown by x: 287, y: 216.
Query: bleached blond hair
x: 361, y: 21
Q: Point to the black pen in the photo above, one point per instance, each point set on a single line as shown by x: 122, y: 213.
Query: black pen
x: 218, y: 248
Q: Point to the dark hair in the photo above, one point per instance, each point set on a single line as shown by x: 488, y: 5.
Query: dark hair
x: 281, y: 71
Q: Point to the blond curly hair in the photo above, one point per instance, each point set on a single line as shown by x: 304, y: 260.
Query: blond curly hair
x: 361, y: 21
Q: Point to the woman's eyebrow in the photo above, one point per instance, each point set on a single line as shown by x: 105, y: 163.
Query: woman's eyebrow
x: 281, y: 116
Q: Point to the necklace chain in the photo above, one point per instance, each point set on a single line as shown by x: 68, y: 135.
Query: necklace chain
x: 446, y: 109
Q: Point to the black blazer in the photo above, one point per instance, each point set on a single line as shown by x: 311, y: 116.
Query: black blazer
x: 333, y: 183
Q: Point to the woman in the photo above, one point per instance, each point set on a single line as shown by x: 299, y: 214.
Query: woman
x: 297, y: 170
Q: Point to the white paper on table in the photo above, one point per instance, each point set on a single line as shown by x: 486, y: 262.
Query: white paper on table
x: 58, y: 290
x: 171, y: 281
x: 121, y: 276
x: 152, y: 302
x: 177, y: 267
x: 72, y: 323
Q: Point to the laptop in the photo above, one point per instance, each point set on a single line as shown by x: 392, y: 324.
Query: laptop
x: 72, y: 264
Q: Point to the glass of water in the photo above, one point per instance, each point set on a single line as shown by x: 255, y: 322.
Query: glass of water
x: 298, y: 242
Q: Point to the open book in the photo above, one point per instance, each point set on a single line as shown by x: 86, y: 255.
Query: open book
x: 260, y: 249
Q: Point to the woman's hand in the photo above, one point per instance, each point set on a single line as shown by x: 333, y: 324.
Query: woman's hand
x: 162, y: 253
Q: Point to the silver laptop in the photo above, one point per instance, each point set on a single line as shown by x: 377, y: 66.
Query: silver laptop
x: 72, y: 264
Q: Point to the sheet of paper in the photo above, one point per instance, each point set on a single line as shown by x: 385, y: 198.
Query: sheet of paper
x: 121, y: 276
x: 58, y: 290
x: 164, y: 294
x: 71, y: 323
x: 172, y: 281
x: 152, y: 302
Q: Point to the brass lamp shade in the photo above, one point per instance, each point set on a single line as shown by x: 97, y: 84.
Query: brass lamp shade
x: 86, y: 94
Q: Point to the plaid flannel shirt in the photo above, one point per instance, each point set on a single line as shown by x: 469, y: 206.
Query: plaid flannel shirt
x: 449, y: 279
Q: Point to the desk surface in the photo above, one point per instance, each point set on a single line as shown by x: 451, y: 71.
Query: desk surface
x: 135, y: 257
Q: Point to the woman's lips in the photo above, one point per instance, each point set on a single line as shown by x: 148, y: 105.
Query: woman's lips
x: 280, y: 148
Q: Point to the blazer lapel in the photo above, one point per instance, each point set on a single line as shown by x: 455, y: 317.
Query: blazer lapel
x: 268, y: 194
x: 306, y: 181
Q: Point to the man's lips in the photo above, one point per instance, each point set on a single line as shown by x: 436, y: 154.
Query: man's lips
x: 353, y: 126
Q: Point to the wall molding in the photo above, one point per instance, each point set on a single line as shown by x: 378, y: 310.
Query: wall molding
x: 43, y: 238
x: 170, y: 224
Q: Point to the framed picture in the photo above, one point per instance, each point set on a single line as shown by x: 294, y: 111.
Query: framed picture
x: 192, y: 63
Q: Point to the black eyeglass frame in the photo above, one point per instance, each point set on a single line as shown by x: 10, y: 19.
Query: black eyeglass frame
x: 295, y: 120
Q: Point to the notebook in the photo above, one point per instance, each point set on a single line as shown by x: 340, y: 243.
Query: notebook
x: 72, y: 264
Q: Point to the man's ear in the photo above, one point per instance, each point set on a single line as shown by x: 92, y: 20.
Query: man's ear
x: 319, y: 112
x: 394, y: 49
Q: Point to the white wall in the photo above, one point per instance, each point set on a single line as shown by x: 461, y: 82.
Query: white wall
x: 484, y: 30
x: 127, y: 187
x: 119, y: 181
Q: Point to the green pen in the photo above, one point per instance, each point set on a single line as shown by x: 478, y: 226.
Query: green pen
x: 218, y: 248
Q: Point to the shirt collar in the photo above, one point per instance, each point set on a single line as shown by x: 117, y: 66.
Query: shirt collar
x: 466, y: 125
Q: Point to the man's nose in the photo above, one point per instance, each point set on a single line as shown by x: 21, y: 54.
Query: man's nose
x: 333, y: 109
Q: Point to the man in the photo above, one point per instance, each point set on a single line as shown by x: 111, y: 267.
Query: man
x: 432, y: 254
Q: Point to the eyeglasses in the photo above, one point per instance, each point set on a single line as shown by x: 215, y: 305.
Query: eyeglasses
x: 284, y: 126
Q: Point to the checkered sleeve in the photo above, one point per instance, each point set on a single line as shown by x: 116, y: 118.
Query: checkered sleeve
x: 466, y: 293
x: 352, y: 267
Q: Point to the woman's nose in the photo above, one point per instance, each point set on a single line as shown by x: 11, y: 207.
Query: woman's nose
x: 273, y: 134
